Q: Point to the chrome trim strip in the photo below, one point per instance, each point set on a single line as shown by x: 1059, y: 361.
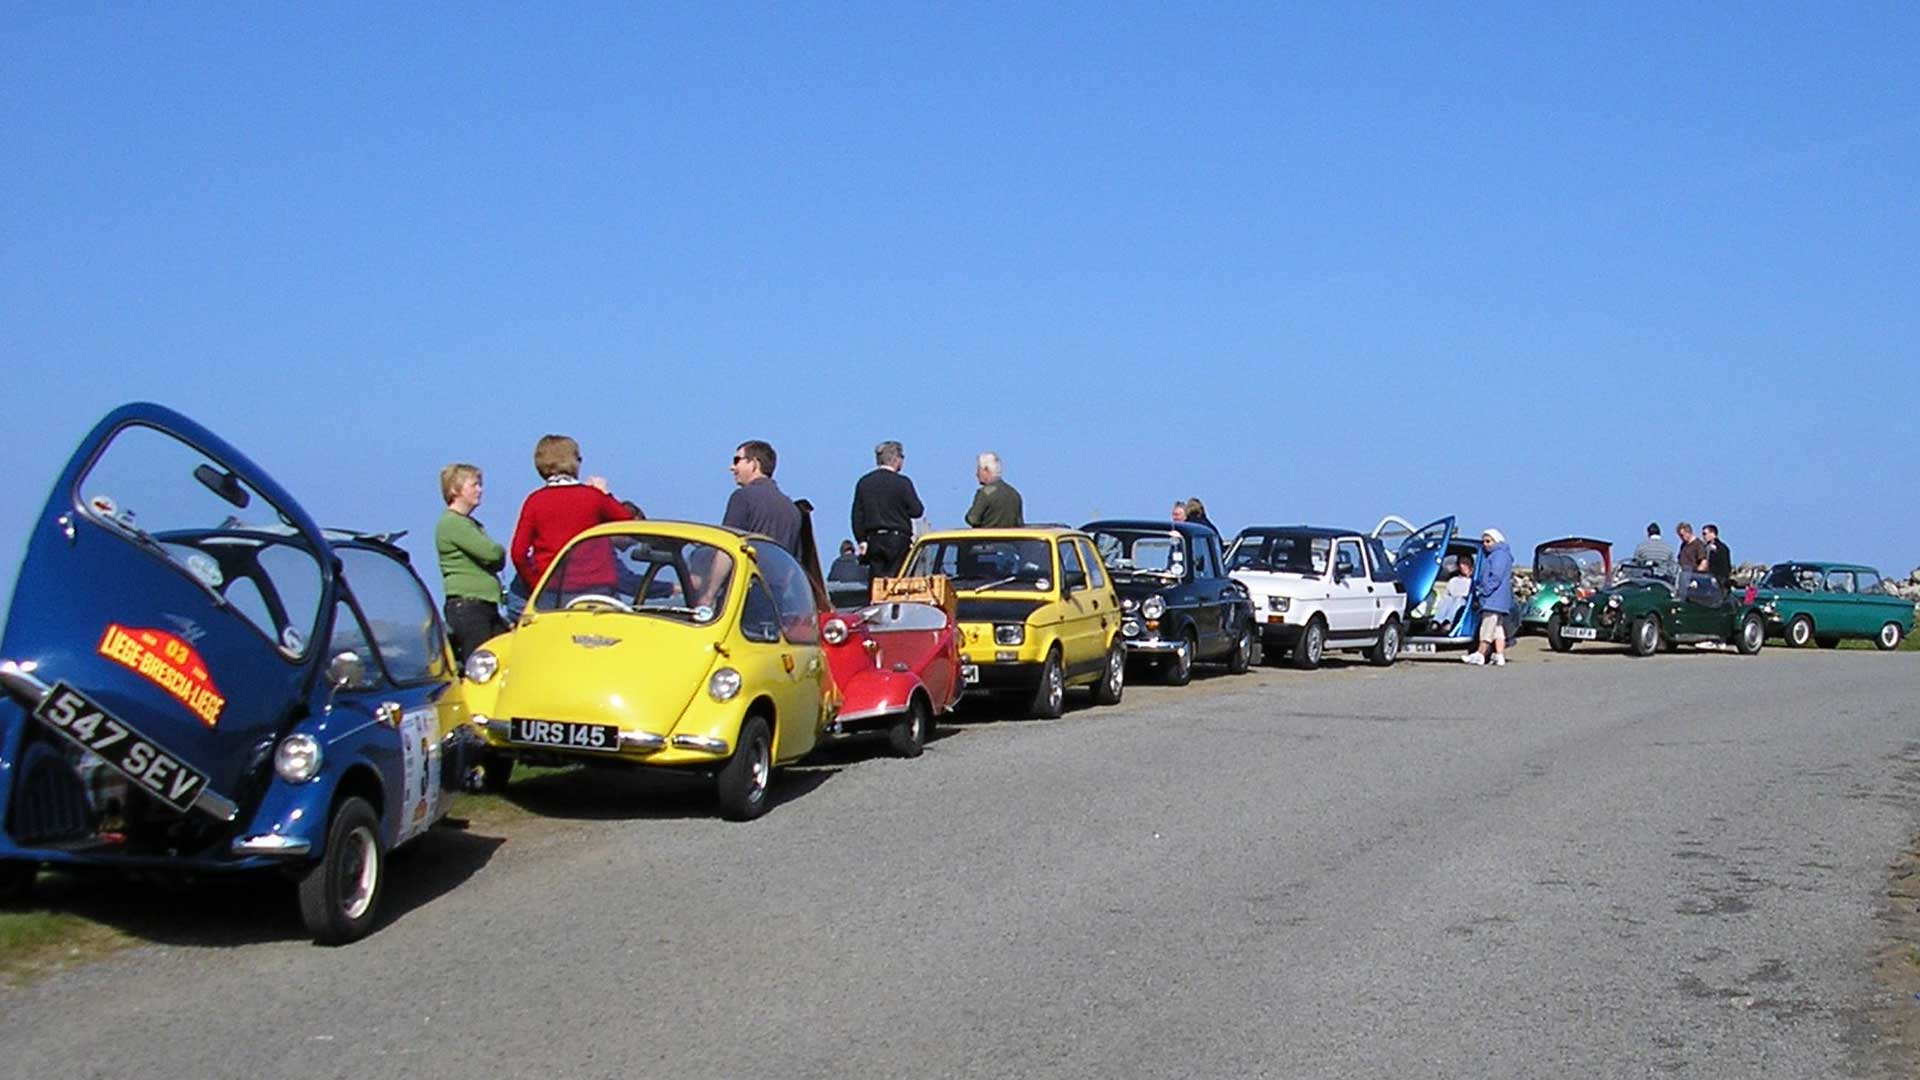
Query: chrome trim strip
x: 271, y: 845
x: 30, y: 690
x: 1152, y: 645
x: 706, y: 743
x: 868, y: 714
x: 642, y: 740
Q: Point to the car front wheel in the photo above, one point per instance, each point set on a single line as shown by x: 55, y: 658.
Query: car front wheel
x: 1800, y: 632
x: 1646, y: 636
x: 1050, y: 697
x: 743, y: 782
x: 908, y: 736
x: 1557, y: 641
x: 1889, y: 637
x: 1753, y: 634
x: 1178, y: 669
x: 1311, y: 646
x: 340, y: 894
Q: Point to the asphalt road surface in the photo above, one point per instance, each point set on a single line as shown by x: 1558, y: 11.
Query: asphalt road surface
x: 1585, y: 866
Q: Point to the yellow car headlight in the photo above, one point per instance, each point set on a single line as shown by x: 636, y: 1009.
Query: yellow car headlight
x: 724, y: 685
x: 482, y: 665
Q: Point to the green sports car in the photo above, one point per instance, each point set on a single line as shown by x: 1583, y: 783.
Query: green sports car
x: 1823, y: 602
x: 1650, y: 605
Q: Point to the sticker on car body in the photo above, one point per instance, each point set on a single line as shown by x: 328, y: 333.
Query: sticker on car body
x: 169, y: 662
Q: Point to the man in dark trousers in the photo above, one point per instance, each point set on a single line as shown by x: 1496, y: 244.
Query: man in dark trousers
x: 884, y: 506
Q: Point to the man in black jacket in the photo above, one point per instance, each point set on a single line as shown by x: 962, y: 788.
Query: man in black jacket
x: 884, y: 506
x: 1719, y: 559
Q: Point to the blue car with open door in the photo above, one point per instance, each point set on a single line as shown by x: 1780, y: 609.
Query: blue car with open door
x: 1428, y: 559
x: 197, y: 677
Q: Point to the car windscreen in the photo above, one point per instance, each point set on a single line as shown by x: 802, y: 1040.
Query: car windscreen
x: 162, y: 494
x: 1570, y: 566
x: 639, y: 574
x: 986, y: 563
x: 1292, y: 553
x: 1131, y: 552
x: 1634, y: 572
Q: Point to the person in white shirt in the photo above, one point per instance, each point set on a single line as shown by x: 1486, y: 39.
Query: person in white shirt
x: 1454, y: 600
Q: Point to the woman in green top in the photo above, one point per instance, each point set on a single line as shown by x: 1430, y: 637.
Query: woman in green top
x: 470, y: 561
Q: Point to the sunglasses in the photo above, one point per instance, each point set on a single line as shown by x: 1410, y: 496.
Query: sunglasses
x: 738, y: 458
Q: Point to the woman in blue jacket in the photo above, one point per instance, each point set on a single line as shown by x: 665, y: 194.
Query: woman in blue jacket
x: 1493, y: 592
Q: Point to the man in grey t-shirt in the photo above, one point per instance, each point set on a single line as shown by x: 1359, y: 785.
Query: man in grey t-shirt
x: 758, y: 505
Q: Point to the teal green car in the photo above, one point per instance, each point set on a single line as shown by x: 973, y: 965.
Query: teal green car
x: 1823, y: 602
x: 1646, y: 609
x: 1562, y: 569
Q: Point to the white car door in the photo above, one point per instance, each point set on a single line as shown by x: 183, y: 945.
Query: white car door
x: 1350, y: 609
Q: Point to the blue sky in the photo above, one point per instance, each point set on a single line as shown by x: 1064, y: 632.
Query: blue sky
x: 1557, y: 272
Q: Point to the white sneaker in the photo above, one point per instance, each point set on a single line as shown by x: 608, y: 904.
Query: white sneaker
x: 1473, y: 658
x: 1499, y: 660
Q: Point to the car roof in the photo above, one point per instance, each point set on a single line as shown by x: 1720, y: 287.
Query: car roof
x: 1189, y: 529
x: 717, y: 535
x: 1023, y: 532
x: 1318, y: 531
x: 1816, y: 564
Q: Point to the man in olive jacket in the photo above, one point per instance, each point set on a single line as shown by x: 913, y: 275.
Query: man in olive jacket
x: 996, y: 505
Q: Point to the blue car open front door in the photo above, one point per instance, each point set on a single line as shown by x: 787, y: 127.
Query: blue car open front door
x: 1418, y: 563
x: 161, y: 636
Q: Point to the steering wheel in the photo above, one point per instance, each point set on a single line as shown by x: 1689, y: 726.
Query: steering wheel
x: 613, y: 602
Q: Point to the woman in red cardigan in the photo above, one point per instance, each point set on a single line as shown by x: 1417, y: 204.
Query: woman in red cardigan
x: 559, y: 511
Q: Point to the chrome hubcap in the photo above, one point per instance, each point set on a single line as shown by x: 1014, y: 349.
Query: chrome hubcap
x: 1115, y: 664
x: 362, y: 866
x: 1313, y: 644
x: 1054, y: 687
x: 760, y: 771
x: 1801, y: 633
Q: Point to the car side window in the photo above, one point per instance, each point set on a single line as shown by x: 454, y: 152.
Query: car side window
x: 1377, y: 555
x: 406, y: 633
x: 792, y: 594
x: 1096, y: 572
x: 1072, y: 574
x: 1347, y: 560
x: 1867, y: 581
x: 1840, y: 581
x: 1203, y: 561
x: 350, y: 637
x: 759, y: 618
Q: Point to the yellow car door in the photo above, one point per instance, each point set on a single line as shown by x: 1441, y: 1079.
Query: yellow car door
x: 802, y: 672
x: 1083, y: 646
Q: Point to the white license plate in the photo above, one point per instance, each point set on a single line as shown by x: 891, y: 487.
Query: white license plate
x: 970, y: 674
x: 604, y: 738
x: 1419, y: 647
x: 1579, y: 633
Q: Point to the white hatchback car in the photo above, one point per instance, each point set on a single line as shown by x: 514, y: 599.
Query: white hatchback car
x: 1317, y: 589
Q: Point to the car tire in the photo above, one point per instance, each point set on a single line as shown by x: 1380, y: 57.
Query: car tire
x: 908, y: 735
x: 340, y: 894
x: 1050, y: 697
x: 1386, y: 650
x: 1750, y: 635
x: 16, y: 882
x: 1113, y: 681
x: 1800, y: 632
x: 1240, y: 660
x: 1889, y: 637
x: 496, y: 769
x: 743, y: 783
x: 1555, y: 640
x: 1644, y: 639
x: 1827, y: 641
x: 1177, y: 670
x: 1312, y: 646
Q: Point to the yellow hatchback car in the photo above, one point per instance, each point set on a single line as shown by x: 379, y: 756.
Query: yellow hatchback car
x: 659, y: 645
x: 1038, y: 613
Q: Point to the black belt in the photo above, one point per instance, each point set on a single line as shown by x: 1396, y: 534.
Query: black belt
x: 894, y: 532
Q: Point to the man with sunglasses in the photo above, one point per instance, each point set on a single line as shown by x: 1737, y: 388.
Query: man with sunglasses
x: 758, y: 505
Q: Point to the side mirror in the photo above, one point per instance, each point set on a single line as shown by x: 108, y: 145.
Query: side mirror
x: 346, y: 669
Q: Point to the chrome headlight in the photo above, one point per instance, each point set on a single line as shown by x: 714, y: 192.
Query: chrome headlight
x: 834, y: 631
x: 724, y: 684
x: 1279, y: 603
x: 1153, y: 607
x: 482, y: 665
x: 1009, y: 633
x: 1613, y: 601
x: 297, y: 758
x: 1127, y: 603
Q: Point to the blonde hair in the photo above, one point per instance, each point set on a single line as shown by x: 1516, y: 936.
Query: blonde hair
x: 455, y: 476
x: 556, y: 455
